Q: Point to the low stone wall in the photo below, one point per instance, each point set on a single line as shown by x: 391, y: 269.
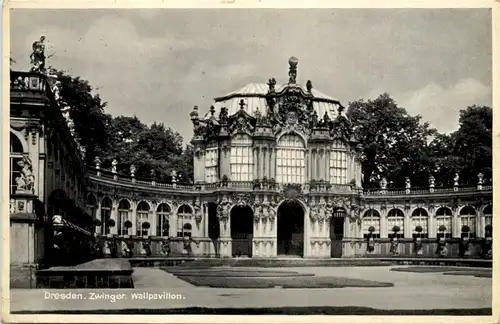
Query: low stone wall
x: 408, y: 248
x: 102, y: 273
x: 23, y: 275
x: 137, y: 246
x: 134, y: 247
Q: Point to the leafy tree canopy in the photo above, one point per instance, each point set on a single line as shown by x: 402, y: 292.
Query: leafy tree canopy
x: 126, y: 139
x: 396, y: 145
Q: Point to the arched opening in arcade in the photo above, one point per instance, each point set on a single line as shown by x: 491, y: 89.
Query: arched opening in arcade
x: 290, y: 229
x: 242, y: 230
x: 337, y: 232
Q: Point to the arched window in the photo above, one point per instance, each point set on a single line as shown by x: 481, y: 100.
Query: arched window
x: 420, y: 217
x: 162, y: 224
x: 142, y: 217
x: 444, y: 218
x: 468, y: 218
x: 396, y: 217
x: 371, y: 218
x: 338, y: 163
x: 105, y: 215
x: 123, y: 216
x: 187, y: 230
x: 211, y: 163
x: 16, y: 155
x: 488, y: 213
x: 184, y: 214
x: 290, y: 160
x: 241, y: 158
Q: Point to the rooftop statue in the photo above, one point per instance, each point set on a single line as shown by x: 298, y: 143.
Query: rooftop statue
x: 37, y: 57
x: 293, y: 61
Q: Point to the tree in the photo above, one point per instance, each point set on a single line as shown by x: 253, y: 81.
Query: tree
x: 155, y: 148
x: 394, y: 143
x: 444, y: 159
x: 87, y: 113
x: 473, y: 142
x: 468, y: 151
x: 123, y: 138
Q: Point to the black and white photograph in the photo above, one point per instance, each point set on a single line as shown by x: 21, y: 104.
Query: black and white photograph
x: 248, y: 161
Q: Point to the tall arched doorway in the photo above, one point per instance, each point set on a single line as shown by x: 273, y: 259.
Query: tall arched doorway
x: 242, y: 230
x: 290, y: 229
x: 337, y: 232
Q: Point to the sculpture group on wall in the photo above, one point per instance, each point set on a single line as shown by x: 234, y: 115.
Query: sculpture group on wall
x: 25, y: 182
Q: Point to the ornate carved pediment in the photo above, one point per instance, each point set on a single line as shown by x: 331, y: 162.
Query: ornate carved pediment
x: 241, y: 122
x: 292, y: 192
x: 339, y: 202
x: 242, y: 199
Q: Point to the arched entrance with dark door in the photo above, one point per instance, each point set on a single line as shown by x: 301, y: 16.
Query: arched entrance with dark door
x: 337, y: 232
x: 213, y: 227
x: 242, y: 230
x: 290, y: 229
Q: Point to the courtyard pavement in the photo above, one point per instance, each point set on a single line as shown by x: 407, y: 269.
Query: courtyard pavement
x: 410, y: 291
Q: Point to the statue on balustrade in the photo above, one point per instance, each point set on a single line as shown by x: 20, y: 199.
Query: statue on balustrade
x: 26, y: 181
x: 165, y: 247
x: 37, y: 57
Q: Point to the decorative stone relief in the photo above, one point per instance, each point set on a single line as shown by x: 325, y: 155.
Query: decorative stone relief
x: 242, y: 199
x: 223, y: 211
x: 291, y: 192
x: 27, y: 179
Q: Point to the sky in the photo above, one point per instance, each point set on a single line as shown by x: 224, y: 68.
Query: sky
x: 159, y: 63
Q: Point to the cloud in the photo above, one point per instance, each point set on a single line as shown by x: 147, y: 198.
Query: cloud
x: 440, y: 105
x: 159, y: 63
x: 202, y: 70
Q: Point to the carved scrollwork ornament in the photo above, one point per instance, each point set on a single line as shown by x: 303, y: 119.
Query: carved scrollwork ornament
x: 242, y: 199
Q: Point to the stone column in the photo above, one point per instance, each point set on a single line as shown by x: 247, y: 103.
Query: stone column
x: 480, y: 223
x: 431, y: 226
x: 307, y: 234
x: 133, y: 219
x: 456, y: 224
x: 327, y: 165
x: 199, y: 166
x: 98, y: 216
x: 114, y: 216
x: 205, y: 220
x: 225, y: 241
x: 225, y: 156
x: 273, y: 163
x: 384, y: 230
x: 154, y: 220
x: 255, y: 163
x: 265, y: 162
x: 308, y: 164
x: 407, y: 225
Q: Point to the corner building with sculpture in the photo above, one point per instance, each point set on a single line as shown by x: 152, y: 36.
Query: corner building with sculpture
x: 276, y: 173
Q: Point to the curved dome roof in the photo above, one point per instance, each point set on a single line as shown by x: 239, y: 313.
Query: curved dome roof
x: 254, y: 97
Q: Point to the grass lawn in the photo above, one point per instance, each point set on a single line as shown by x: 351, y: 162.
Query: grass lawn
x: 225, y: 273
x: 440, y: 269
x: 449, y: 271
x: 477, y: 274
x: 277, y: 263
x: 284, y: 282
x: 322, y: 310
